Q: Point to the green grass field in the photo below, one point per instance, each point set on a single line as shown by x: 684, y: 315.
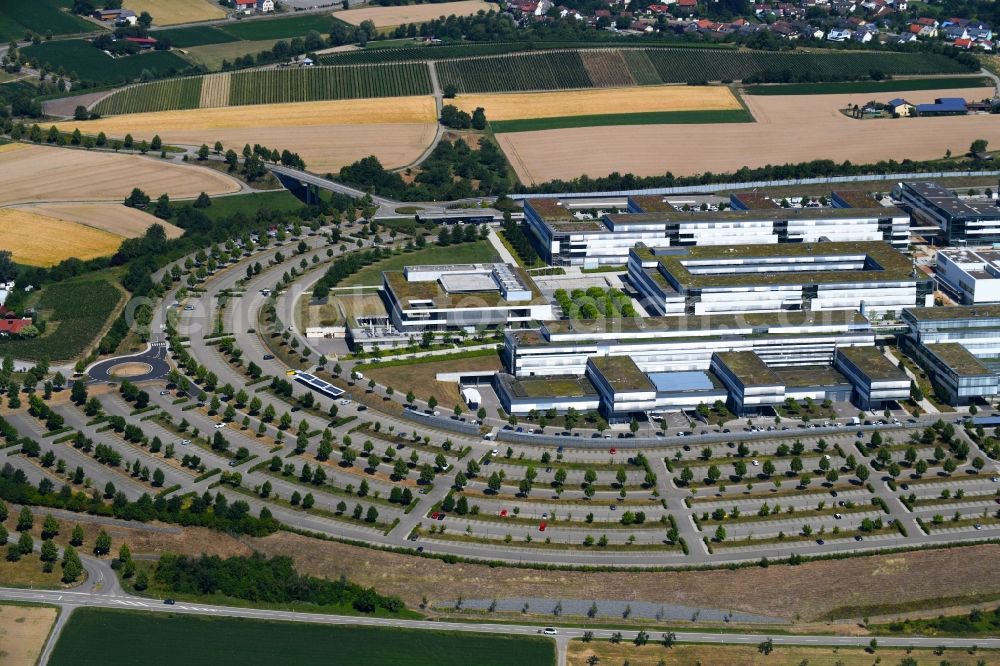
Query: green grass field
x: 651, y: 118
x: 153, y: 638
x: 41, y: 17
x: 249, y: 204
x: 894, y: 85
x: 281, y: 28
x: 93, y: 65
x: 76, y: 311
x: 465, y: 253
x: 195, y: 36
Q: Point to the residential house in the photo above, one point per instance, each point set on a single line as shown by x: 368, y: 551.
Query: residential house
x: 964, y: 43
x: 838, y: 35
x: 265, y: 6
x: 901, y: 107
x: 142, y: 42
x: 245, y: 6
x: 686, y: 7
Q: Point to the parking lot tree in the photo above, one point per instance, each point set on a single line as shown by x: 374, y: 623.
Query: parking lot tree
x: 78, y: 394
x: 472, y: 468
x: 308, y: 501
x: 713, y: 473
x: 832, y: 476
x: 739, y: 469
x: 426, y: 473
x: 372, y: 515
x: 720, y: 533
x: 25, y: 519
x: 50, y: 527
x: 102, y: 545
x: 805, y: 480
x: 743, y: 450
x: 687, y: 475
x: 76, y: 538
x: 71, y: 565
x: 432, y: 402
x: 621, y: 477
x: 633, y: 426
x: 25, y: 543
x: 494, y: 482
x: 589, y: 477
x: 950, y: 465
x: 768, y: 468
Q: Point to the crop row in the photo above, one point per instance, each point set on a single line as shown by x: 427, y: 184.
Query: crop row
x: 321, y: 83
x: 165, y: 95
x: 566, y: 69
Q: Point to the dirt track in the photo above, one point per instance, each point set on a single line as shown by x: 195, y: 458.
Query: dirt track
x: 788, y: 129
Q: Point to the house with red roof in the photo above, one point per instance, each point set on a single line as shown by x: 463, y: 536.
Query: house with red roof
x: 10, y: 327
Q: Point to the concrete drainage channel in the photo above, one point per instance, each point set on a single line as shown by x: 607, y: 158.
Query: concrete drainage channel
x: 607, y: 610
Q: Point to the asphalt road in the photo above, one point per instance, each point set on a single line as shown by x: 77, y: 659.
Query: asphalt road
x: 155, y: 357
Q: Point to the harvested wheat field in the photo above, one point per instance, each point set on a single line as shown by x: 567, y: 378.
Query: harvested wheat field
x: 172, y: 12
x: 37, y: 240
x: 42, y: 173
x: 111, y: 217
x: 23, y: 631
x: 390, y: 16
x: 600, y: 101
x: 788, y: 129
x: 327, y: 135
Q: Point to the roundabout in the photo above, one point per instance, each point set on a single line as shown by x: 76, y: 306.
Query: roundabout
x: 147, y: 366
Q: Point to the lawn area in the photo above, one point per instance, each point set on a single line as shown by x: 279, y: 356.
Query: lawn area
x: 173, y: 639
x: 745, y: 655
x: 281, y: 28
x: 249, y: 204
x: 93, y: 65
x: 212, y: 55
x: 27, y: 572
x: 75, y: 311
x: 419, y: 377
x: 894, y: 85
x: 649, y: 118
x: 40, y: 16
x: 465, y: 253
x: 23, y: 631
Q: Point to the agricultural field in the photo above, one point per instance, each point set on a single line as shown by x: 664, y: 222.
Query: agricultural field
x: 171, y: 12
x: 843, y: 87
x: 197, y: 35
x: 787, y: 129
x: 23, y: 631
x: 156, y: 96
x: 224, y: 641
x: 280, y: 28
x: 654, y: 653
x: 272, y: 86
x: 39, y: 16
x: 604, y: 120
x: 113, y: 218
x: 249, y: 204
x: 586, y: 69
x: 327, y: 135
x: 75, y: 310
x: 25, y: 166
x: 398, y: 15
x: 38, y: 240
x: 212, y: 56
x: 91, y: 64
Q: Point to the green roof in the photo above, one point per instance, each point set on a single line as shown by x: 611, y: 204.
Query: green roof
x: 872, y: 363
x: 541, y: 387
x: 675, y: 215
x: 747, y: 367
x: 621, y: 373
x: 959, y: 359
x: 706, y: 322
x: 652, y: 203
x: 813, y: 375
x: 887, y: 264
x: 576, y: 225
x: 952, y: 313
x: 549, y: 210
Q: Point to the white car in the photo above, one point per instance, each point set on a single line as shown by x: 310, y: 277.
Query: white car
x: 220, y: 426
x: 495, y: 452
x: 838, y: 516
x: 185, y: 442
x: 549, y: 631
x: 345, y: 402
x: 754, y: 463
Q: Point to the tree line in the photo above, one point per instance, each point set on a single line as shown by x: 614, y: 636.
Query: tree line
x: 262, y: 579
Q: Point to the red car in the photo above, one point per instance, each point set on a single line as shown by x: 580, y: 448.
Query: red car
x: 612, y: 451
x: 541, y: 528
x: 434, y: 516
x: 503, y: 513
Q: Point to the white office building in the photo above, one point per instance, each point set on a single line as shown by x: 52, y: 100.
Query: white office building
x: 971, y: 276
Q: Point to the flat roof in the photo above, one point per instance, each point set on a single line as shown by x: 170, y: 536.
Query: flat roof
x: 749, y: 368
x: 959, y: 359
x: 769, y: 214
x: 953, y: 312
x: 673, y: 382
x: 856, y: 198
x: 949, y: 203
x: 549, y: 210
x: 431, y: 290
x: 794, y: 318
x: 651, y: 203
x: 621, y: 373
x: 754, y: 200
x: 884, y: 262
x: 569, y: 386
x: 811, y: 375
x: 575, y: 225
x: 872, y: 363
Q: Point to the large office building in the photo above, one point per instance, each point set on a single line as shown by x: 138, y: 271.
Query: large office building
x: 871, y: 277
x: 971, y: 276
x: 951, y: 219
x: 568, y: 236
x: 462, y: 296
x: 959, y: 347
x: 625, y: 366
